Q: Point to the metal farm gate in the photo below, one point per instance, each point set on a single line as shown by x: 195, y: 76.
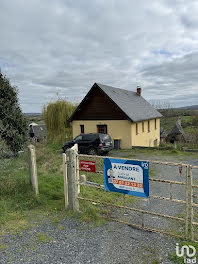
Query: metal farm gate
x: 172, y: 206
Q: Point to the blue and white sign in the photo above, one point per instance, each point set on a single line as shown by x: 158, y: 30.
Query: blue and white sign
x: 126, y: 176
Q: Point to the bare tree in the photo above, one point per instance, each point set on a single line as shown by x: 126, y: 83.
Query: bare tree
x: 164, y: 107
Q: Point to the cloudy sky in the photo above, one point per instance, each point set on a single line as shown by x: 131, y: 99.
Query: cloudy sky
x: 50, y: 47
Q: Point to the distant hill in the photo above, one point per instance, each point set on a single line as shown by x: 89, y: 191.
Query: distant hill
x: 191, y: 107
x: 32, y: 114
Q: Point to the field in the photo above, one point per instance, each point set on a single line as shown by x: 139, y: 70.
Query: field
x: 168, y: 122
x: 35, y: 119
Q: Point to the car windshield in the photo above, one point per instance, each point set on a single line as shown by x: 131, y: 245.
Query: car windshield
x: 105, y: 137
x: 77, y: 138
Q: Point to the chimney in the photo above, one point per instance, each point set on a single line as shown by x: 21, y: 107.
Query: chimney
x: 139, y: 90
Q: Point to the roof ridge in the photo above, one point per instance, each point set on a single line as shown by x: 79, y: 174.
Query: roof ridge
x: 134, y: 106
x: 115, y: 88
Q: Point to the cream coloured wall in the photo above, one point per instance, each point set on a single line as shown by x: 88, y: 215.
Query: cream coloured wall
x: 117, y: 129
x: 146, y: 139
x: 124, y: 130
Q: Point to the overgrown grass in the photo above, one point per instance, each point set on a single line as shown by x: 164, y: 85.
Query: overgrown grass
x: 17, y: 200
x: 42, y: 237
x: 3, y: 246
x: 19, y: 205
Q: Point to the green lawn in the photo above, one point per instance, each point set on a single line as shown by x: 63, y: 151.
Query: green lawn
x: 18, y: 204
x: 17, y: 200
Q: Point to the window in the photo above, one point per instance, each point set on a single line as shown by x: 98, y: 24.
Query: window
x: 149, y: 126
x: 102, y: 129
x: 155, y: 123
x: 142, y: 126
x: 89, y: 137
x: 78, y: 138
x: 82, y: 129
x: 136, y: 128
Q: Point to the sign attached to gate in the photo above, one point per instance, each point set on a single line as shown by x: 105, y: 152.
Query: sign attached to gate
x: 88, y: 165
x: 126, y: 176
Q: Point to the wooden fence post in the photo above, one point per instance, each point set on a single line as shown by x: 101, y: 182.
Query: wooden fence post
x: 33, y: 169
x: 187, y: 203
x: 191, y: 230
x: 75, y: 148
x: 77, y: 172
x: 65, y: 179
x: 72, y: 181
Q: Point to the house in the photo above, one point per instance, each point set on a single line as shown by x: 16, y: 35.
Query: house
x: 177, y: 133
x: 124, y: 115
x: 37, y: 132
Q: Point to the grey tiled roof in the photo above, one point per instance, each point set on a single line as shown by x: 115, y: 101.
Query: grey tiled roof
x: 39, y: 131
x: 163, y: 133
x: 177, y: 130
x: 133, y: 105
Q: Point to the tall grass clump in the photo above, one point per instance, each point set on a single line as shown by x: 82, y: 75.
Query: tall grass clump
x: 56, y: 115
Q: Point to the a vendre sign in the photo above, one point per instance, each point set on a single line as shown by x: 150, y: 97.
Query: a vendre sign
x: 126, y: 176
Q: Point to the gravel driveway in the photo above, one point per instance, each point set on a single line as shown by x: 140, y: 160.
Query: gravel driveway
x: 76, y: 243
x: 112, y: 243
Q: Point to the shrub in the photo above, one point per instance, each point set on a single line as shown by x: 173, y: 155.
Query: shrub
x: 56, y: 115
x: 166, y: 146
x: 13, y: 126
x: 5, y: 151
x: 195, y: 120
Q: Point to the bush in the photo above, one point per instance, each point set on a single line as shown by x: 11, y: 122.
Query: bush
x: 166, y: 146
x: 13, y: 126
x: 195, y: 120
x: 5, y: 151
x: 56, y: 115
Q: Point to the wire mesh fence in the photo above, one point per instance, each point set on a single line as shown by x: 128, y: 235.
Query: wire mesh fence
x: 172, y: 205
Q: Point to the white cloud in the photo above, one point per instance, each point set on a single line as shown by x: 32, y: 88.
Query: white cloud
x: 65, y: 46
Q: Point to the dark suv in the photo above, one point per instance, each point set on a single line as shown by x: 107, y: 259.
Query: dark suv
x: 91, y: 144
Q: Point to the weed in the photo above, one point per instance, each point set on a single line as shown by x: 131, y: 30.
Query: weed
x: 3, y: 247
x: 42, y: 237
x: 154, y: 261
x: 60, y: 227
x: 150, y: 255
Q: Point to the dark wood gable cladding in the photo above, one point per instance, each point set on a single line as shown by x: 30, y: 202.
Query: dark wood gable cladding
x: 98, y: 106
